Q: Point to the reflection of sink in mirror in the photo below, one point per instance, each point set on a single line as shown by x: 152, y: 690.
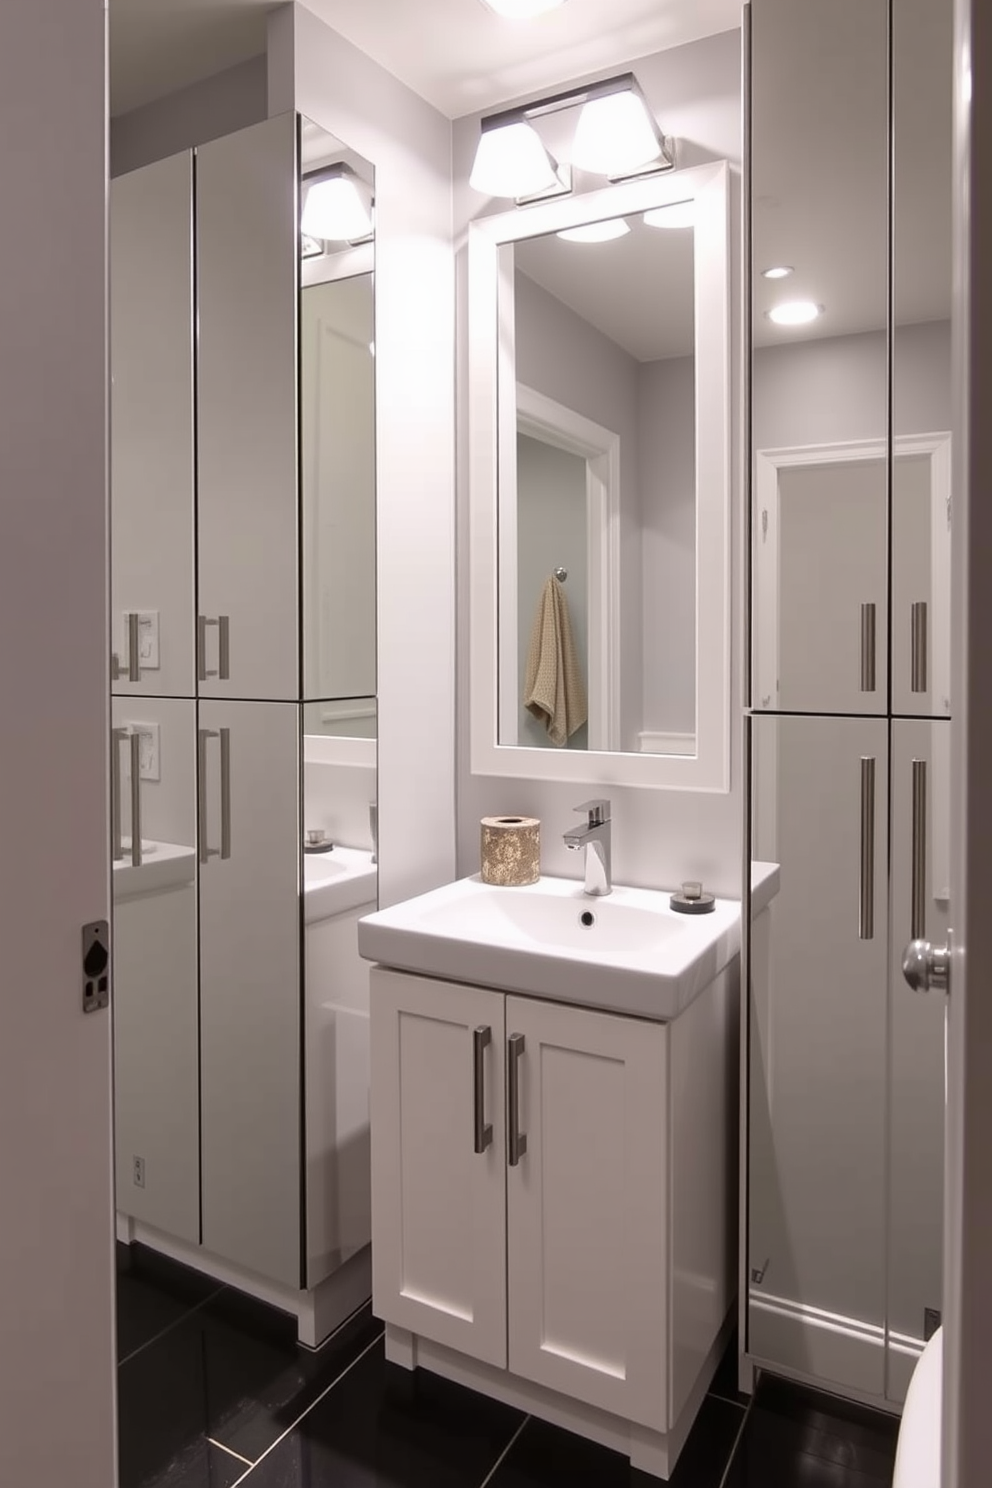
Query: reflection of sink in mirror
x: 165, y: 865
x: 337, y: 881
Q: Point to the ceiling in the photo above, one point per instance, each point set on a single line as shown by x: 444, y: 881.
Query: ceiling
x: 456, y: 53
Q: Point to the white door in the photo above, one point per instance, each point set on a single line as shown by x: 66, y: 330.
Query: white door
x: 586, y: 1206
x: 246, y: 372
x: 438, y: 1155
x: 57, y: 1376
x: 250, y: 846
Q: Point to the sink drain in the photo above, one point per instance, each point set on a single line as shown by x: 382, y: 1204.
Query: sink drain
x: 587, y: 918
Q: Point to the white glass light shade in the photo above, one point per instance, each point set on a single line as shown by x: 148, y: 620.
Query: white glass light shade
x: 679, y: 214
x: 595, y: 232
x: 511, y: 161
x: 338, y: 208
x: 614, y: 135
x: 520, y: 10
x: 795, y: 312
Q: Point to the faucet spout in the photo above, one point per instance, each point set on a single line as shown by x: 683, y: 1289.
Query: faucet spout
x: 595, y: 838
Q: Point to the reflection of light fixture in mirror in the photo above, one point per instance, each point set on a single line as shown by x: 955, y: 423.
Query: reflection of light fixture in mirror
x: 679, y: 214
x: 596, y: 232
x: 616, y: 136
x: 780, y: 271
x: 512, y: 161
x: 337, y: 206
x: 794, y: 312
x: 521, y: 10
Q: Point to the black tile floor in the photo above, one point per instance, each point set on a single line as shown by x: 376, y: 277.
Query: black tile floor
x: 214, y: 1391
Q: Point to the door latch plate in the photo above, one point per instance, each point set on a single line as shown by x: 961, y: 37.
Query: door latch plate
x: 96, y: 966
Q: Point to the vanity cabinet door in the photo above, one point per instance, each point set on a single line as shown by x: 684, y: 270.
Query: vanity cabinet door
x: 921, y: 576
x: 250, y: 933
x: 248, y: 494
x: 818, y: 1051
x: 919, y: 909
x: 151, y: 428
x: 587, y: 1209
x: 438, y: 1203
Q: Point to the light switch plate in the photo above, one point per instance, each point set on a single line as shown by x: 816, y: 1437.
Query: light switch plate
x: 151, y: 743
x: 148, y: 645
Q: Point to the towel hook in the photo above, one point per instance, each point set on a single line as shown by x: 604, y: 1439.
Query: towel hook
x: 561, y: 574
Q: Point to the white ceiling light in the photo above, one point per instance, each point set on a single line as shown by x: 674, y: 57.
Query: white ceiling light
x: 794, y: 312
x: 512, y: 161
x: 781, y: 271
x: 337, y: 206
x: 679, y: 214
x: 615, y: 135
x: 596, y: 232
x: 520, y: 10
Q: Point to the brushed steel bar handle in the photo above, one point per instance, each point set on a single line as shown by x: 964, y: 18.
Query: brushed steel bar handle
x: 206, y: 851
x: 866, y: 920
x: 517, y: 1139
x: 225, y: 792
x: 224, y: 647
x: 483, y: 1134
x: 117, y: 737
x: 918, y: 916
x: 133, y: 647
x: 918, y: 663
x: 201, y: 648
x: 868, y: 647
x: 135, y: 747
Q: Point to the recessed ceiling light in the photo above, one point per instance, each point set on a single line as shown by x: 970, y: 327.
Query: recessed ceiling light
x: 794, y: 312
x: 679, y: 214
x: 782, y: 271
x: 520, y: 10
x: 595, y: 232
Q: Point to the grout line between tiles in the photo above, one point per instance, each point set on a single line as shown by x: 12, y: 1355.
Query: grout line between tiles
x: 303, y: 1414
x: 170, y: 1326
x: 504, y: 1454
x: 230, y: 1451
x: 737, y: 1442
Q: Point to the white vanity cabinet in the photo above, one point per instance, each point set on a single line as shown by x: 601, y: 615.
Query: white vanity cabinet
x: 551, y: 1201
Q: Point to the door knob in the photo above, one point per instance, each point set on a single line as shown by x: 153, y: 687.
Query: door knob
x: 926, y: 968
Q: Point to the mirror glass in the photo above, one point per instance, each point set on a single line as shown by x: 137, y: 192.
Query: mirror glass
x: 604, y: 482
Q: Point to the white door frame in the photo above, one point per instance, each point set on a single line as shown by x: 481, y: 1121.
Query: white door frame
x: 57, y: 1364
x: 553, y: 423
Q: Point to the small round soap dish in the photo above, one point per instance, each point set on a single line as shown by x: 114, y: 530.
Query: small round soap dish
x: 316, y: 840
x: 692, y: 900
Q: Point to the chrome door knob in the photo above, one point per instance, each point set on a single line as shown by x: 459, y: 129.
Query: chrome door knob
x: 926, y: 968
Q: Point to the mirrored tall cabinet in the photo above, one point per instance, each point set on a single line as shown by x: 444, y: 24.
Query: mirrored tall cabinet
x: 243, y: 698
x: 850, y: 520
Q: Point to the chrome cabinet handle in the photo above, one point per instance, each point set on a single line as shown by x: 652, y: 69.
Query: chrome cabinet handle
x: 866, y: 918
x: 918, y: 663
x: 203, y: 736
x: 133, y: 652
x: 517, y: 1139
x: 135, y: 800
x: 483, y: 1135
x: 918, y: 914
x: 868, y: 648
x: 223, y: 624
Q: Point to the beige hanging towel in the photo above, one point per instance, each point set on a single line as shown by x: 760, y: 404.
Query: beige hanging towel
x: 554, y: 688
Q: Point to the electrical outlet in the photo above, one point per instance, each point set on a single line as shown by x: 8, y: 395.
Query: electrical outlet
x: 151, y: 739
x: 138, y: 1172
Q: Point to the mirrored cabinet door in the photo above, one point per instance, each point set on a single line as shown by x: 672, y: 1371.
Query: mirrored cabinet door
x: 151, y: 429
x: 247, y: 249
x: 820, y: 163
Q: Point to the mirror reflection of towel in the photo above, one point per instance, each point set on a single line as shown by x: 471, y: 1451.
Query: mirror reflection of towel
x: 554, y: 688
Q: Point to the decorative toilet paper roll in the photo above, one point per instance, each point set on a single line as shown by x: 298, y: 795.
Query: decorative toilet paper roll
x: 511, y: 850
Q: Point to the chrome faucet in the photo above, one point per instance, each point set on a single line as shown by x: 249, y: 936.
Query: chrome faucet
x: 595, y: 838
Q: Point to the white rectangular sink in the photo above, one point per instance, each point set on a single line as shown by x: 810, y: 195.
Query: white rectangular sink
x: 336, y: 881
x: 627, y: 951
x: 165, y: 865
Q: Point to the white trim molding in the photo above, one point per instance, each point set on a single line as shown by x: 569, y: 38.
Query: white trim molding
x: 492, y: 415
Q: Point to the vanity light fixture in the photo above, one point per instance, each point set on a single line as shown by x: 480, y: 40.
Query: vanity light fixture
x: 679, y: 214
x: 795, y: 312
x: 596, y: 232
x: 781, y: 271
x: 521, y: 10
x: 616, y: 136
x: 337, y: 206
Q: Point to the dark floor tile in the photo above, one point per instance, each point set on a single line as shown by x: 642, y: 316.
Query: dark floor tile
x: 218, y: 1375
x: 795, y: 1437
x: 382, y: 1427
x: 545, y: 1457
x: 724, y: 1381
x: 153, y: 1293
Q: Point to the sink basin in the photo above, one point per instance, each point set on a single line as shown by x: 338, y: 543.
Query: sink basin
x: 165, y: 866
x: 336, y: 881
x: 627, y: 952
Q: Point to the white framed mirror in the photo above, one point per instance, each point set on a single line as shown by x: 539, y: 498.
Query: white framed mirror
x: 651, y: 706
